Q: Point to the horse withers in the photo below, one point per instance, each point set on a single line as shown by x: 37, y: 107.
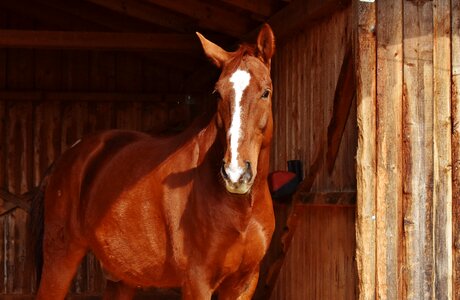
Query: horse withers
x: 191, y: 211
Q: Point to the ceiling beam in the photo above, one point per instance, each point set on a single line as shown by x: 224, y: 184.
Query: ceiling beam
x: 49, y: 16
x: 209, y: 16
x: 148, y: 13
x: 98, y: 40
x: 96, y: 14
x: 299, y: 13
x: 262, y: 8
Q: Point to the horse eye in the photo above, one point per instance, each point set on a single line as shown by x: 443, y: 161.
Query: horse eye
x: 266, y: 94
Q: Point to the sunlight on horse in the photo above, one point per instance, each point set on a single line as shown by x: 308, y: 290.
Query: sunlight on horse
x: 191, y: 211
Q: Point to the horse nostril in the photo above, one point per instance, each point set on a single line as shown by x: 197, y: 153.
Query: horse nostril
x: 222, y: 171
x: 247, y: 175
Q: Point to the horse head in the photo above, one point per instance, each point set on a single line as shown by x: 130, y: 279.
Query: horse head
x: 244, y: 111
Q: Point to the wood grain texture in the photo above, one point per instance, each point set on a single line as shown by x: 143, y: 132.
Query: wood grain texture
x: 456, y: 146
x: 389, y: 145
x: 442, y: 193
x: 417, y: 150
x: 320, y: 263
x: 366, y: 80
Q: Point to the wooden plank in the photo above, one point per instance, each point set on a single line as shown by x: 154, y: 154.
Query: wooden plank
x: 12, y: 38
x: 19, y: 171
x: 49, y: 16
x: 456, y: 146
x: 3, y: 183
x: 343, y: 98
x: 418, y: 150
x: 94, y: 14
x: 442, y: 189
x: 210, y: 16
x: 366, y: 165
x: 47, y: 137
x: 389, y: 146
x: 40, y: 96
x: 298, y: 14
x: 20, y: 73
x: 129, y: 73
x: 75, y: 71
x: 262, y: 8
x: 148, y: 13
x: 320, y: 263
x: 341, y: 199
x: 48, y: 72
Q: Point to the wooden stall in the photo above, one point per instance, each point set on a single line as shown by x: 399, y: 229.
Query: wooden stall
x: 68, y: 69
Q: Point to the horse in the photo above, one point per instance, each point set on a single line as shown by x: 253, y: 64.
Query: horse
x: 192, y: 211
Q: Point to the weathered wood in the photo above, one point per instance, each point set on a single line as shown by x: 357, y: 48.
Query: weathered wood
x: 456, y: 146
x: 417, y: 150
x: 442, y: 187
x: 389, y: 145
x: 343, y: 98
x: 366, y: 159
x: 98, y: 40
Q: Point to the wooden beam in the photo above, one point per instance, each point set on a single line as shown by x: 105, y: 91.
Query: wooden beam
x: 95, y: 14
x: 11, y: 201
x: 343, y: 99
x: 91, y: 96
x: 49, y: 15
x: 262, y: 8
x: 297, y: 14
x: 148, y: 13
x: 343, y: 198
x: 98, y: 40
x: 209, y: 16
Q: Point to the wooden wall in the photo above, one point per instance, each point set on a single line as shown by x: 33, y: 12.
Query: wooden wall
x: 305, y: 73
x: 407, y: 57
x: 320, y: 261
x: 41, y: 115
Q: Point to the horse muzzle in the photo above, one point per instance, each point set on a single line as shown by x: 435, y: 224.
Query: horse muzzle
x: 237, y: 181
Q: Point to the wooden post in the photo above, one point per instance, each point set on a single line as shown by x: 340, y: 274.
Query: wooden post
x: 442, y: 194
x: 418, y: 150
x: 456, y: 145
x: 365, y: 62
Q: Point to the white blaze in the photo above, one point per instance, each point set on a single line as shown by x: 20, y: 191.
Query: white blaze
x: 240, y: 80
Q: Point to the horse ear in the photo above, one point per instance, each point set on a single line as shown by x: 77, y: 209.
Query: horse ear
x: 266, y: 44
x: 216, y: 54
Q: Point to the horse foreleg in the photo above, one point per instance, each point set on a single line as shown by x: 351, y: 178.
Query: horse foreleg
x: 60, y: 264
x: 239, y: 287
x: 196, y: 288
x: 118, y: 290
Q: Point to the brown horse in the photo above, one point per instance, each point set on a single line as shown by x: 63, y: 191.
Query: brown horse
x: 192, y: 211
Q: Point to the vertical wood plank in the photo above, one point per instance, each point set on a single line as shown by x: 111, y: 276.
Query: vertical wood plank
x: 3, y: 183
x: 48, y: 73
x: 389, y: 146
x: 417, y: 150
x: 19, y: 172
x: 47, y: 137
x: 366, y: 66
x: 442, y: 190
x: 456, y: 145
